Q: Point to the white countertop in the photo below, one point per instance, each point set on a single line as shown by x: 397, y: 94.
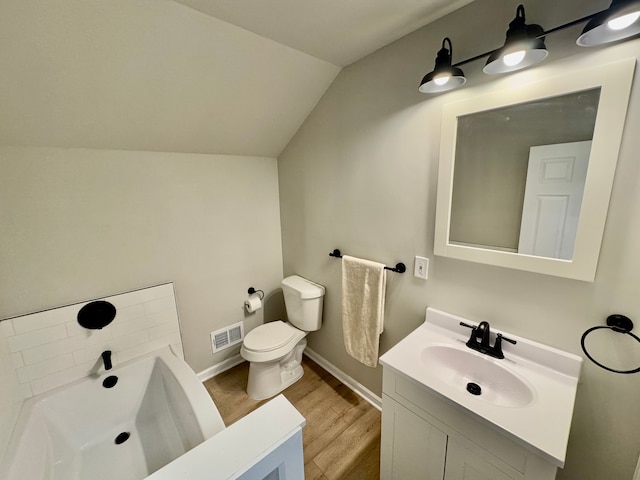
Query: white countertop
x: 541, y: 426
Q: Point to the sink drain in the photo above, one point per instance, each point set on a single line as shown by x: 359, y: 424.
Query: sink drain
x: 122, y: 437
x: 474, y: 388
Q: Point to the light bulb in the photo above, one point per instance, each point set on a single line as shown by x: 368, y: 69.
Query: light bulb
x: 620, y: 23
x: 441, y: 80
x: 513, y: 58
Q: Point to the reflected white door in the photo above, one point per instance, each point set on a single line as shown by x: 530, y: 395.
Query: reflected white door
x: 552, y: 199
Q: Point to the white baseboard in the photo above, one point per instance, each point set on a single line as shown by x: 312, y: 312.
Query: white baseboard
x: 218, y: 368
x: 350, y: 382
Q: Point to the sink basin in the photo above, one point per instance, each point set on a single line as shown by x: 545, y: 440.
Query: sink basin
x: 459, y: 368
x: 527, y: 396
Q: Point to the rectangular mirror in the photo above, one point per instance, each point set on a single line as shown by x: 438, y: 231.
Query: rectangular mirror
x: 525, y: 174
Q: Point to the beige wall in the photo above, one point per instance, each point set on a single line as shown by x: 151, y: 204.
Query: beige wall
x: 361, y: 175
x: 80, y: 224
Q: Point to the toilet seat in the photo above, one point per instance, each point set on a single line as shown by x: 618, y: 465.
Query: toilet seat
x: 269, y: 336
x: 270, y: 341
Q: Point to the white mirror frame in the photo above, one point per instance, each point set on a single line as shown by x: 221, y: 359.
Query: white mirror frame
x: 615, y: 81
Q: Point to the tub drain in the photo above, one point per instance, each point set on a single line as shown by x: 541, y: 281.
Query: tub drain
x: 122, y: 437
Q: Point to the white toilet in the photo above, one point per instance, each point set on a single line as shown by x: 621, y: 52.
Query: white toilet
x: 274, y: 349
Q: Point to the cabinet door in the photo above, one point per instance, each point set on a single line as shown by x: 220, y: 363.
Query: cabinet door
x: 464, y: 464
x: 412, y: 448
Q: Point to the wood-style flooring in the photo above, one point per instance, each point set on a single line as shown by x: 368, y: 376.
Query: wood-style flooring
x: 341, y: 439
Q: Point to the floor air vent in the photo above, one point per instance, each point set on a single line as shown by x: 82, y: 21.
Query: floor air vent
x: 227, y: 337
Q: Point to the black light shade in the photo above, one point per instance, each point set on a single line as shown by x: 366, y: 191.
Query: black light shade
x: 444, y: 76
x: 523, y: 47
x: 621, y: 20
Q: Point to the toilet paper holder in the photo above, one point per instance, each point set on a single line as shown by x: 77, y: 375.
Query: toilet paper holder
x: 254, y: 302
x: 252, y: 290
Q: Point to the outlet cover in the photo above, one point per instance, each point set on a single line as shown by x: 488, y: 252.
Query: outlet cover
x: 421, y: 268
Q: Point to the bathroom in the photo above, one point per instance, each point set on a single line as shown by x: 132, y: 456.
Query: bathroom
x: 122, y: 171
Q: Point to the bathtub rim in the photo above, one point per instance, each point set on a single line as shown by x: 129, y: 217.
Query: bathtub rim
x: 204, y: 409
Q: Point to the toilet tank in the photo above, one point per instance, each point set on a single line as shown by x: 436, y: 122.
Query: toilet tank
x: 303, y: 300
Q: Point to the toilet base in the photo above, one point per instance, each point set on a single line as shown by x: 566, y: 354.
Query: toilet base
x: 270, y: 378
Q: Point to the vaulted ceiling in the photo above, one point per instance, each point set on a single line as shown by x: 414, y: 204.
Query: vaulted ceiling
x: 201, y: 76
x: 337, y: 31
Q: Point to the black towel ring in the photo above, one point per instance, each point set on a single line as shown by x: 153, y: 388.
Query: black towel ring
x: 618, y: 323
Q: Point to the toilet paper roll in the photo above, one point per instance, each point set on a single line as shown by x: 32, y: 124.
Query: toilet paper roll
x: 253, y: 303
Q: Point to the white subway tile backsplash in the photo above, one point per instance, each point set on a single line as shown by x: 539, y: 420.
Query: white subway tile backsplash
x: 131, y: 312
x: 159, y: 305
x: 66, y: 345
x: 60, y: 378
x: 42, y: 369
x: 145, y: 348
x: 143, y: 323
x: 48, y: 318
x: 165, y: 316
x: 74, y: 329
x: 50, y: 348
x: 36, y: 337
x: 25, y: 390
x: 17, y: 360
x: 92, y: 353
x: 129, y: 341
x: 163, y: 330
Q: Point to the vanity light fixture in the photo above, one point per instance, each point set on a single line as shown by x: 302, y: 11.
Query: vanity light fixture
x: 523, y: 47
x: 621, y: 20
x: 444, y: 76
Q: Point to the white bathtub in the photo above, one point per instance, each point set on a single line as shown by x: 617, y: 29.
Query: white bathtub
x: 157, y: 411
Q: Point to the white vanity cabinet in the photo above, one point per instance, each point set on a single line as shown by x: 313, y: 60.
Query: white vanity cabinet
x: 411, y: 446
x: 426, y: 437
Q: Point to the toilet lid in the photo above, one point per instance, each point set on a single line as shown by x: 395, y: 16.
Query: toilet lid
x: 269, y: 336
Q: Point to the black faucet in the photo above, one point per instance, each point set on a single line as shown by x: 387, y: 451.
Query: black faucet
x: 106, y: 358
x: 479, y: 340
x: 483, y: 333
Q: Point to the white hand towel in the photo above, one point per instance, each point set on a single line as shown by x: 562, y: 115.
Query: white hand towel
x: 363, y: 289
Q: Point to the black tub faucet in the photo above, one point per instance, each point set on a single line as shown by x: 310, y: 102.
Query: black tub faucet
x: 479, y: 340
x: 106, y: 358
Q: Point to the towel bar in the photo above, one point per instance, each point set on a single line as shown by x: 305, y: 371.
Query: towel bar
x: 399, y: 268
